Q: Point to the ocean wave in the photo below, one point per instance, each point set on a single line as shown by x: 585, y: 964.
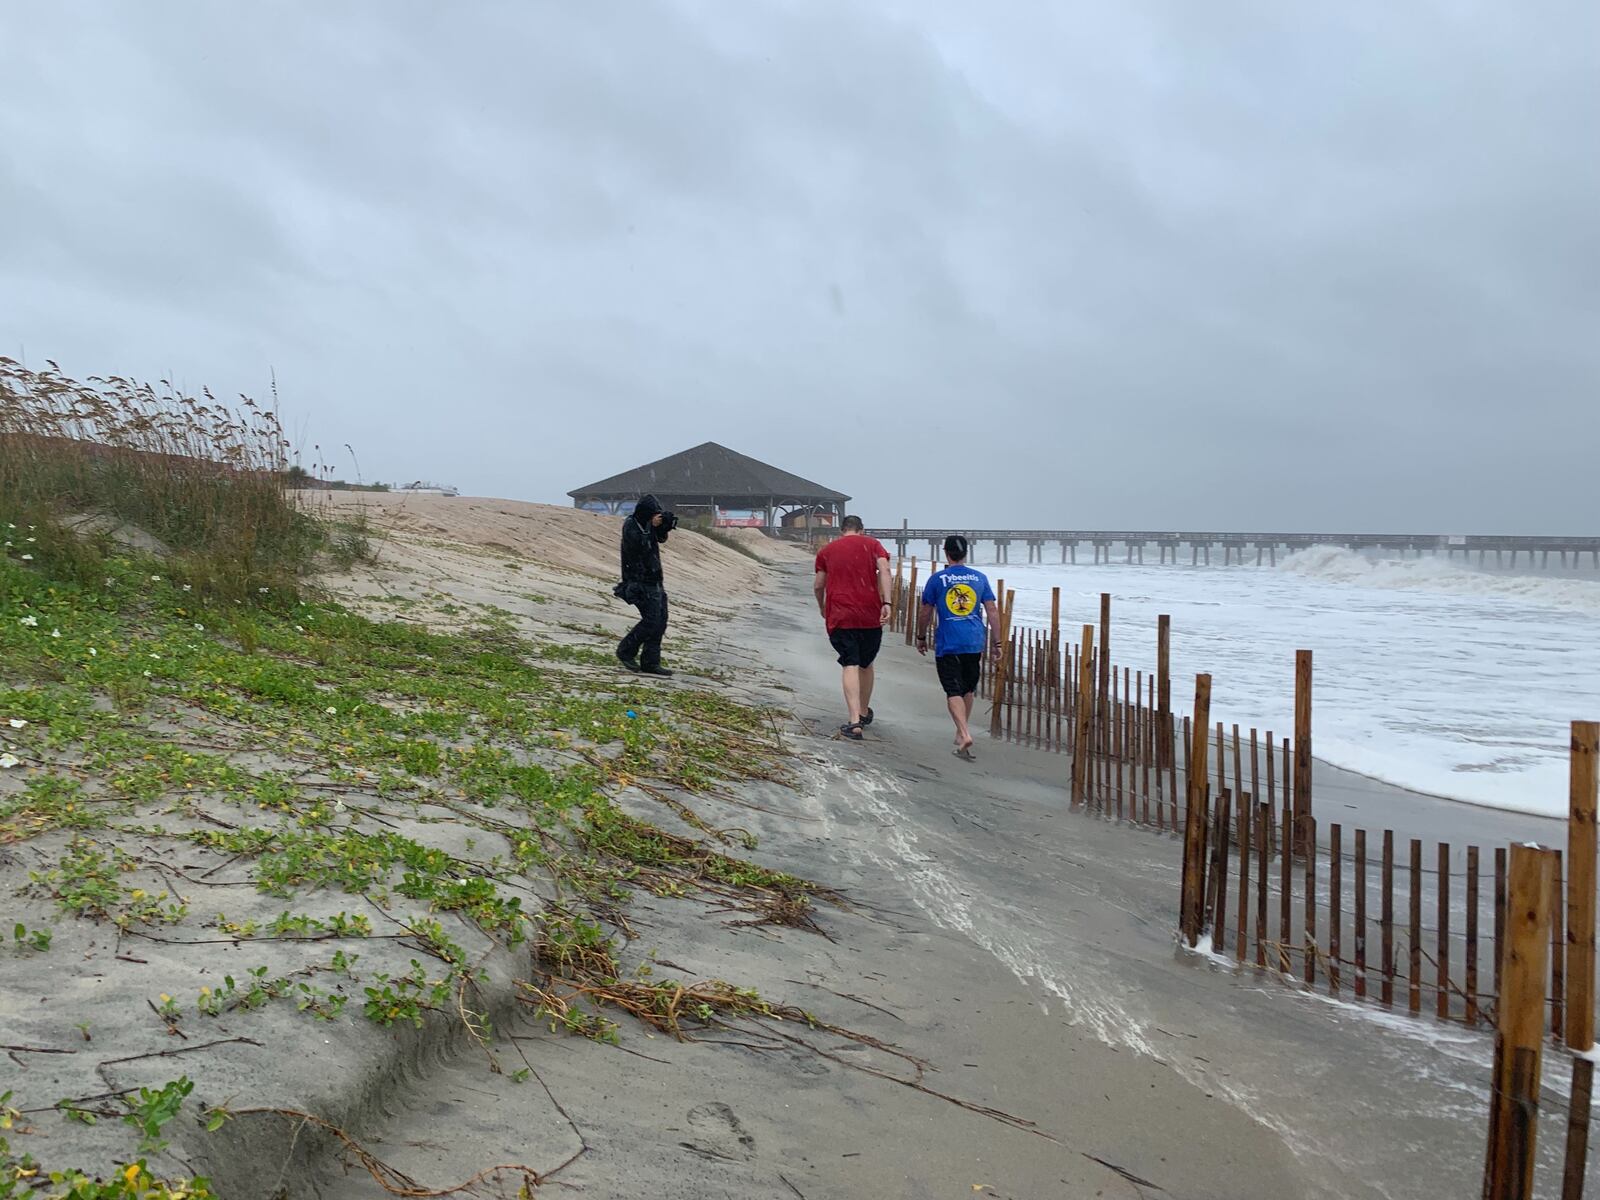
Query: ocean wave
x: 1335, y: 564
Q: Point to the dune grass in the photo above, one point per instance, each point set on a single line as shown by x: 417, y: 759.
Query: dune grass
x: 208, y: 482
x: 195, y: 696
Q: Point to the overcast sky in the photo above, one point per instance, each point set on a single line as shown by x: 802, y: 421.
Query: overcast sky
x: 1150, y: 263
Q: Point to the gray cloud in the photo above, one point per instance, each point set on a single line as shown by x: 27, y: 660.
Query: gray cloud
x: 1155, y: 264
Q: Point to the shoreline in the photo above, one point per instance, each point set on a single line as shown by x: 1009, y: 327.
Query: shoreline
x: 997, y: 1007
x: 915, y: 1027
x: 1434, y: 693
x: 1081, y: 910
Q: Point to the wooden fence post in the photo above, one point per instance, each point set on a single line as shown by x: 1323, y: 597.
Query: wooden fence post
x: 1246, y: 821
x: 1164, y: 689
x: 1105, y: 665
x: 1580, y: 948
x: 1302, y: 747
x: 1001, y: 669
x: 1194, y: 865
x: 1055, y: 639
x: 1361, y: 913
x: 1263, y: 851
x: 911, y: 604
x: 1386, y: 920
x: 1581, y: 884
x: 1218, y: 874
x: 1310, y: 966
x: 1514, y: 1093
x: 1085, y: 709
x: 1471, y: 985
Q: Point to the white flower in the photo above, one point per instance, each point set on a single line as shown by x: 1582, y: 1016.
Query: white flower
x: 187, y: 588
x: 155, y: 579
x: 338, y: 806
x: 299, y: 628
x: 110, y: 582
x: 7, y: 761
x: 332, y: 711
x: 157, y: 657
x: 17, y: 723
x: 27, y: 558
x: 55, y: 633
x: 93, y: 653
x: 29, y: 620
x: 263, y: 591
x: 200, y: 627
x: 33, y: 539
x: 147, y: 674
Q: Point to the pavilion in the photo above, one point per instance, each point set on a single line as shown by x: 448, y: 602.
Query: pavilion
x: 712, y: 482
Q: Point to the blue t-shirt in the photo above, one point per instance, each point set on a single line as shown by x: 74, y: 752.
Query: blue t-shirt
x: 958, y: 593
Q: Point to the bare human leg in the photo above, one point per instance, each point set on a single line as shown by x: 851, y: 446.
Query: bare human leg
x: 958, y: 713
x: 852, y: 693
x: 868, y: 677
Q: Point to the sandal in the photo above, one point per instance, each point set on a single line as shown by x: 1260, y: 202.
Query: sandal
x: 866, y: 718
x: 852, y: 730
x: 965, y: 754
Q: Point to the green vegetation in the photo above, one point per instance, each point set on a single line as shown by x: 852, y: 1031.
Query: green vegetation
x: 21, y: 1178
x: 174, y: 723
x: 204, y: 480
x: 29, y: 941
x: 724, y: 538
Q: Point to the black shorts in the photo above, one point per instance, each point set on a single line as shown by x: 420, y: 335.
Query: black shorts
x: 856, y: 647
x: 958, y: 673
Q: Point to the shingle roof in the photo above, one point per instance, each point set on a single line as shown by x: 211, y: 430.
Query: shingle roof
x: 710, y: 470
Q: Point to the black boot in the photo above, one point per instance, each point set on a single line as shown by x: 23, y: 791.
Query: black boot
x: 658, y: 669
x: 630, y: 661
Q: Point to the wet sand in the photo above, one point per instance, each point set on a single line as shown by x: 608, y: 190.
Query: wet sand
x: 1023, y: 953
x: 1083, y: 911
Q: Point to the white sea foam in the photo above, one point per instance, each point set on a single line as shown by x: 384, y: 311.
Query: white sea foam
x: 1443, y: 576
x: 1428, y: 675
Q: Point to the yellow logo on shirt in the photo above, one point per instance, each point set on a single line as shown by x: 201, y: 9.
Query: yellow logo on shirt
x: 961, y: 600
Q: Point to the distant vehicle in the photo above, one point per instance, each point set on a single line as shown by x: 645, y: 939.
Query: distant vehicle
x: 423, y: 488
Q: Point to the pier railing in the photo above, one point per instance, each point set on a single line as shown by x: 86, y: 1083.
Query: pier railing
x: 1431, y: 930
x: 1506, y: 548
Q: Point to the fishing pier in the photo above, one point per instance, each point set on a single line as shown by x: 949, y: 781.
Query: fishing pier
x: 1234, y: 547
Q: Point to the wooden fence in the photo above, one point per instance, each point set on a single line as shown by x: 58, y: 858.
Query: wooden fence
x: 1417, y: 927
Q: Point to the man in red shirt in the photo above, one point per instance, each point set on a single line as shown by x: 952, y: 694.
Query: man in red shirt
x: 852, y: 588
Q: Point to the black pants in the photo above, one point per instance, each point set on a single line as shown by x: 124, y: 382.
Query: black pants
x: 644, y: 639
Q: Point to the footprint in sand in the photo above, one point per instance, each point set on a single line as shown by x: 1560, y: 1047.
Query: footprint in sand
x: 718, y: 1134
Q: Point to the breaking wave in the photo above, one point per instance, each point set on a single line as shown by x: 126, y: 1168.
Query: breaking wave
x: 1337, y: 565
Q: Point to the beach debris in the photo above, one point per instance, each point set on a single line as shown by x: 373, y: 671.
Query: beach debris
x: 17, y: 723
x: 30, y: 620
x: 391, y: 1180
x: 7, y: 761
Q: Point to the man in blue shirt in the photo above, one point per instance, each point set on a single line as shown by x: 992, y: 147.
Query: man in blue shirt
x: 960, y: 597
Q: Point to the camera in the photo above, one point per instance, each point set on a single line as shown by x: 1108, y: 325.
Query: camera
x: 669, y: 521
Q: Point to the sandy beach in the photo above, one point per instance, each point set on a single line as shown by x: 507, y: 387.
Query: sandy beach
x: 996, y: 1004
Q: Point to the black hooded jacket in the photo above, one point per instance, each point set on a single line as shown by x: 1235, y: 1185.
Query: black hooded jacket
x: 641, y: 545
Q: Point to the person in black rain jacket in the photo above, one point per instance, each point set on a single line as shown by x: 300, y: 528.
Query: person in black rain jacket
x: 641, y: 586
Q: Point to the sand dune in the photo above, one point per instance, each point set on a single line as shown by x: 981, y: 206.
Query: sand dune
x: 552, y: 535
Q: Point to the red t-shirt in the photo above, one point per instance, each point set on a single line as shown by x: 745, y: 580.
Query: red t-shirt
x: 851, y: 565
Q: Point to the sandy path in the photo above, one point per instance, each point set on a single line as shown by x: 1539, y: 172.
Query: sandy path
x: 767, y: 1118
